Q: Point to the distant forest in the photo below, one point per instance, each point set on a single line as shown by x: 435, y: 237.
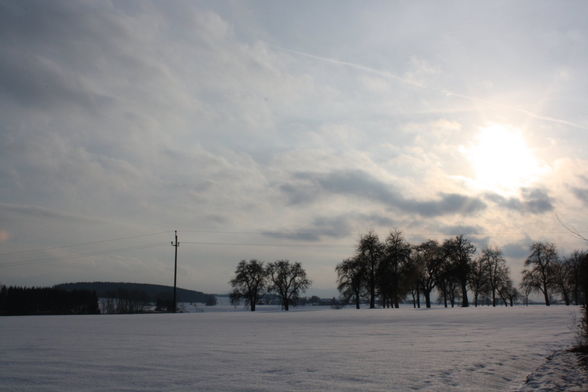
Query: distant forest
x: 93, y: 298
x: 20, y: 301
x: 151, y: 292
x: 121, y: 297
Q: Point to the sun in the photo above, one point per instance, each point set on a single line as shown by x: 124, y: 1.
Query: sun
x: 502, y: 161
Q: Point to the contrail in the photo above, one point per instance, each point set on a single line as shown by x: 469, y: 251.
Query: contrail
x: 517, y: 109
x: 360, y: 67
x: 412, y: 83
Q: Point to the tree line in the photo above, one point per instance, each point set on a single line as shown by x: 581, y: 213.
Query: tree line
x: 94, y: 297
x: 254, y: 279
x: 15, y: 301
x: 389, y: 271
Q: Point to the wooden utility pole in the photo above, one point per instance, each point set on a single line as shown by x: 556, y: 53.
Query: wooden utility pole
x: 175, y: 245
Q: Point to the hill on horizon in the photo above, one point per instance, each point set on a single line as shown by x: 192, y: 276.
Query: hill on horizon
x: 151, y: 291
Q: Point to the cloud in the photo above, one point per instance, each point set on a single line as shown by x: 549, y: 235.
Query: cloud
x: 360, y: 184
x: 517, y: 250
x: 189, y: 117
x: 50, y: 50
x: 421, y: 68
x: 461, y: 229
x: 581, y: 193
x: 532, y: 201
x: 336, y: 227
x: 23, y: 210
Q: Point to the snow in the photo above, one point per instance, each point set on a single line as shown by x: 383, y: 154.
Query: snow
x: 471, y: 349
x: 563, y: 371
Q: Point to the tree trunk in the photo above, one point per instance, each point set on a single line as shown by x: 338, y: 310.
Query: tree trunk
x: 427, y: 298
x: 357, y: 299
x: 418, y: 293
x: 493, y: 297
x: 566, y: 297
x: 464, y: 294
x: 372, y: 294
x: 546, y: 294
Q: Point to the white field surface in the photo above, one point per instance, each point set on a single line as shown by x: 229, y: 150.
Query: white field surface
x: 472, y: 349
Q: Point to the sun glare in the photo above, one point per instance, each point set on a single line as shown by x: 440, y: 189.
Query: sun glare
x: 502, y: 160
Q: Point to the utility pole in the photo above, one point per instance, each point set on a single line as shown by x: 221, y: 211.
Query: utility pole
x: 175, y: 267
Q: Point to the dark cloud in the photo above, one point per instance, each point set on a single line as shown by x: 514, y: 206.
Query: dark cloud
x: 46, y: 49
x: 461, y: 229
x: 517, y: 250
x: 532, y: 201
x: 336, y: 227
x: 379, y: 220
x: 447, y: 204
x: 331, y: 227
x: 581, y: 193
x: 480, y: 243
x: 299, y: 193
x: 20, y: 211
x: 310, y: 186
x: 67, y: 55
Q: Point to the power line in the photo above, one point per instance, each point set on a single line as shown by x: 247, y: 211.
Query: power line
x: 414, y: 233
x: 224, y: 232
x: 83, y: 243
x: 300, y: 244
x: 77, y: 256
x: 266, y: 244
x: 176, y: 245
x: 570, y: 229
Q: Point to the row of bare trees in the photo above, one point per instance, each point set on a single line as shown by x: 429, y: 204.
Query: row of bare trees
x: 253, y: 280
x: 389, y: 271
x: 549, y: 274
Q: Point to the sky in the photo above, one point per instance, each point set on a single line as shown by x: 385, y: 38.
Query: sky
x: 284, y: 130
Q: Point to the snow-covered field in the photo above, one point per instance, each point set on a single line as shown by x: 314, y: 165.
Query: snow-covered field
x: 472, y: 349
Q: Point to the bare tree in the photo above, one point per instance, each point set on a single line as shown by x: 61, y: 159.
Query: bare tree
x: 452, y: 285
x: 412, y: 273
x: 513, y: 294
x: 539, y: 277
x: 478, y: 279
x: 495, y: 265
x: 250, y: 282
x: 460, y: 251
x: 369, y: 252
x: 351, y: 279
x: 563, y: 278
x: 444, y: 278
x: 507, y: 292
x: 395, y: 256
x: 288, y: 281
x: 429, y: 257
x: 575, y: 261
